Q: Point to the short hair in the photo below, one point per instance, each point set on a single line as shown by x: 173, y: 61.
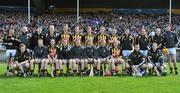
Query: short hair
x: 52, y: 39
x: 40, y: 39
x: 89, y: 26
x: 154, y: 43
x: 51, y: 25
x: 22, y: 45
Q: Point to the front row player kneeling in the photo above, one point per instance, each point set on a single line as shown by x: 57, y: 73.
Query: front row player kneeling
x: 21, y: 61
x: 101, y: 56
x: 136, y: 62
x: 155, y: 61
x: 139, y: 67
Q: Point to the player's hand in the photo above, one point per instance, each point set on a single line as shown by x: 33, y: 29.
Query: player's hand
x: 12, y: 38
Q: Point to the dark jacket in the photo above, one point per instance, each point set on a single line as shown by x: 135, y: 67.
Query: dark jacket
x: 135, y: 58
x: 14, y: 43
x: 40, y: 52
x: 103, y: 52
x: 64, y: 52
x: 158, y: 39
x: 34, y: 40
x: 20, y: 57
x: 126, y: 42
x: 170, y: 39
x: 156, y: 55
x: 143, y: 42
x: 25, y: 39
x: 77, y: 52
x: 90, y: 52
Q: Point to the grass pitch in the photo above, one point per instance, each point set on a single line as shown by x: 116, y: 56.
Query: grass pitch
x: 113, y: 84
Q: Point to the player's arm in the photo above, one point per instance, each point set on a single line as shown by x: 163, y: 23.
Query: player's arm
x: 48, y: 55
x: 45, y: 52
x: 149, y: 55
x: 27, y: 55
x: 85, y: 53
x: 130, y: 58
x: 72, y: 52
x: 176, y: 38
x: 16, y: 58
x: 82, y: 53
x: 160, y: 55
x: 1, y: 38
x: 160, y: 45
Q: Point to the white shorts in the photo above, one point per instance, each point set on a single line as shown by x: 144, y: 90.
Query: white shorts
x: 103, y: 60
x: 172, y: 51
x: 10, y: 51
x: 64, y: 61
x: 38, y: 60
x: 126, y: 53
x: 144, y: 52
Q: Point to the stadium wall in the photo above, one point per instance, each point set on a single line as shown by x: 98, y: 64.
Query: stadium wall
x: 82, y: 10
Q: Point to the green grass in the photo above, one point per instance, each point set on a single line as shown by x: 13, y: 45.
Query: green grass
x: 115, y: 84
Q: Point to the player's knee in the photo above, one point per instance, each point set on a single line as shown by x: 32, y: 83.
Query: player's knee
x: 46, y: 61
x: 74, y: 61
x: 149, y: 66
x: 164, y: 65
x: 26, y: 65
x: 127, y: 66
x: 98, y: 61
x: 70, y: 61
x: 14, y: 66
x: 82, y: 61
x: 61, y: 61
x: 42, y: 61
x: 109, y: 61
x: 86, y: 61
x: 32, y: 61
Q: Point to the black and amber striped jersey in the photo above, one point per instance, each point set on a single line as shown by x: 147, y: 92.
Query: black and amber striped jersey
x: 126, y: 42
x: 115, y: 52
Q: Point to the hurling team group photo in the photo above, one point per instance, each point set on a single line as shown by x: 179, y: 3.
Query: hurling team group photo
x: 85, y: 52
x: 90, y: 46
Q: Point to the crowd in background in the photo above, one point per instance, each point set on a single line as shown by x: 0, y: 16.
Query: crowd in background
x: 134, y: 22
x: 55, y: 29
